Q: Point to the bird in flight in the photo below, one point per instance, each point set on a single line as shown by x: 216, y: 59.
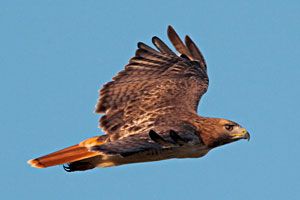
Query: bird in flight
x: 150, y: 112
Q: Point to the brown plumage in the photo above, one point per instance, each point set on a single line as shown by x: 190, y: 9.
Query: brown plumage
x: 150, y: 112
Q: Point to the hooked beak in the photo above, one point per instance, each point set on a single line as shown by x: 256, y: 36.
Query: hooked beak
x: 244, y: 134
x: 247, y: 136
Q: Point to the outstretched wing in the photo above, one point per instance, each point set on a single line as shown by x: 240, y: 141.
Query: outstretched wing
x: 154, y: 90
x: 152, y: 142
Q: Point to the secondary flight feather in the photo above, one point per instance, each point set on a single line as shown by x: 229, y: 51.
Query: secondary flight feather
x: 150, y: 112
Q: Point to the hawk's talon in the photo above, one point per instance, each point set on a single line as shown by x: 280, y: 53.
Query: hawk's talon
x: 67, y: 168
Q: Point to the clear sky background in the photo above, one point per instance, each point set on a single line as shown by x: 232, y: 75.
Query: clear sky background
x: 55, y: 55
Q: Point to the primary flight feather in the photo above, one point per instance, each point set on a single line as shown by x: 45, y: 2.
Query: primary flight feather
x: 150, y: 112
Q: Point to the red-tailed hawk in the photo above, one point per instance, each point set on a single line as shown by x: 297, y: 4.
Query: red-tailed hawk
x: 150, y: 112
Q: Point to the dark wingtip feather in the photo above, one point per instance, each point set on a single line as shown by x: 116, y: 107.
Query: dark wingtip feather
x: 140, y: 44
x: 176, y: 138
x: 159, y: 139
x: 156, y: 138
x: 177, y: 42
x: 170, y: 29
x: 161, y: 46
x: 145, y: 47
x: 195, y: 51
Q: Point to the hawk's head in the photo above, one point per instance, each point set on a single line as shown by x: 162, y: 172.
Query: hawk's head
x: 216, y: 132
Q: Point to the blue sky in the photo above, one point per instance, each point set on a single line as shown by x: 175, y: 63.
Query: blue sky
x: 55, y: 55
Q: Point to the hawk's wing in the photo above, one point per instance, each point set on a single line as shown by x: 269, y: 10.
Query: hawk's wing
x: 154, y: 90
x: 151, y: 142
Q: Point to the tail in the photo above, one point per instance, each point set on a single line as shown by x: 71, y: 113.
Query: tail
x: 70, y: 154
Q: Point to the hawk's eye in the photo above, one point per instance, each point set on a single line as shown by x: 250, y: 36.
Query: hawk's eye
x: 229, y: 127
